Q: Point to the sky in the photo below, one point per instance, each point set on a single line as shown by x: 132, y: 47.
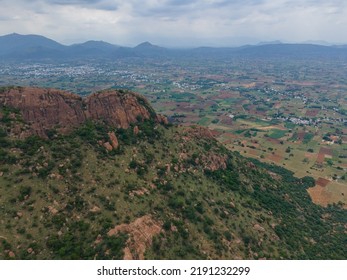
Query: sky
x: 177, y: 23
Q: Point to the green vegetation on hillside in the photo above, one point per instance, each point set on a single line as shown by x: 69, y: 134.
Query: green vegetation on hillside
x: 61, y: 196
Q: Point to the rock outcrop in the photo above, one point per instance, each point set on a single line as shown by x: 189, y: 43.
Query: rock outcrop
x: 46, y: 109
x: 114, y: 140
x: 141, y: 233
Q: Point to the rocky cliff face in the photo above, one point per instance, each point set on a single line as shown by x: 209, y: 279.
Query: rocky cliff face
x: 45, y: 109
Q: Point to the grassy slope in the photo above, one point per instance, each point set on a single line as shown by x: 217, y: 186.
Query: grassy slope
x: 48, y: 188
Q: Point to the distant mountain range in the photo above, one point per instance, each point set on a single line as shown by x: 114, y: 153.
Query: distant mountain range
x: 16, y: 47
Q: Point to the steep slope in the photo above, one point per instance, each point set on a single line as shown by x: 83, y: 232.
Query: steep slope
x: 154, y: 191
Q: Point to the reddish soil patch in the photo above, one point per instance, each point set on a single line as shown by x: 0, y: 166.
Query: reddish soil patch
x: 319, y: 195
x: 275, y: 158
x: 310, y: 155
x: 320, y: 158
x: 253, y: 152
x: 274, y: 141
x: 326, y: 151
x: 334, y: 138
x: 301, y: 135
x: 322, y: 182
x: 225, y: 94
x: 312, y: 112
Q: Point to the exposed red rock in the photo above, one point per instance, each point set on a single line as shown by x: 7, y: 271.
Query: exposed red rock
x: 141, y: 233
x: 114, y: 140
x: 108, y: 146
x: 214, y: 162
x: 136, y: 130
x: 162, y: 119
x: 46, y: 109
x: 117, y: 109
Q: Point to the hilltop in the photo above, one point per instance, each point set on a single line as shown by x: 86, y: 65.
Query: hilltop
x: 45, y: 110
x: 105, y: 177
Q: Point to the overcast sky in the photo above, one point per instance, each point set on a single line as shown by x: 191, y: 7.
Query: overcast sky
x: 177, y: 22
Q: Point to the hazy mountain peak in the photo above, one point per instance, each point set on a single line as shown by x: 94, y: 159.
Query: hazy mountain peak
x: 147, y: 45
x: 276, y: 42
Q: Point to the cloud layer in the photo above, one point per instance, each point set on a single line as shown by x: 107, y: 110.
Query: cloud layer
x: 177, y: 22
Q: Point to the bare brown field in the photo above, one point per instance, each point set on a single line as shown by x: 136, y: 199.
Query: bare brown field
x: 311, y: 155
x: 250, y: 85
x: 301, y: 135
x: 320, y: 158
x: 322, y: 182
x: 230, y: 135
x: 275, y: 158
x: 326, y: 151
x: 226, y: 94
x: 312, y: 112
x: 320, y: 195
x: 274, y: 141
x: 303, y: 83
x: 253, y: 152
x: 265, y: 128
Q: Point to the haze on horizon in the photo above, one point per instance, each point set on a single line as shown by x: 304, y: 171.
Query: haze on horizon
x: 178, y: 23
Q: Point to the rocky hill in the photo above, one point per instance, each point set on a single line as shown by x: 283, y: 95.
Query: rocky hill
x: 44, y: 110
x: 106, y: 178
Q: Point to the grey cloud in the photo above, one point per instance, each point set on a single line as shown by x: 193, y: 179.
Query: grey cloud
x: 178, y: 20
x: 73, y: 2
x: 181, y: 2
x: 107, y: 5
x: 5, y: 18
x: 181, y: 8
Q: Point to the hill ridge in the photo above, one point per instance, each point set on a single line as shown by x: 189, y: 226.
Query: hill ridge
x: 47, y: 109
